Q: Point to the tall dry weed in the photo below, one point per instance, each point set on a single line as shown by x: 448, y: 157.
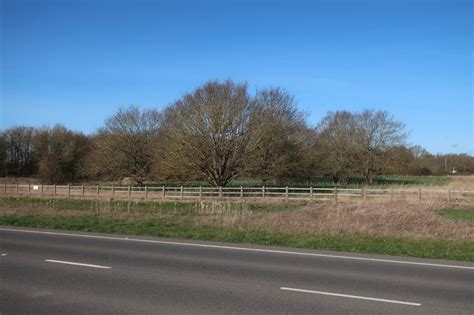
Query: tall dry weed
x: 376, y: 219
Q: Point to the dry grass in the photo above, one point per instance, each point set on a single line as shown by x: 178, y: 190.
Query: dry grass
x: 401, y: 219
x: 374, y: 219
x: 381, y: 219
x: 373, y: 227
x: 462, y: 182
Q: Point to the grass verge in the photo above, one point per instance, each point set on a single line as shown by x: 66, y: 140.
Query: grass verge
x: 175, y: 207
x: 453, y: 250
x: 207, y: 221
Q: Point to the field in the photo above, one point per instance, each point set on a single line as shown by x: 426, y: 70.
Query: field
x: 323, y: 182
x: 317, y: 182
x: 426, y: 229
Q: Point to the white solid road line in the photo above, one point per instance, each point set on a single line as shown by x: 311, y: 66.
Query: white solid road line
x: 76, y: 264
x: 273, y: 251
x: 350, y: 296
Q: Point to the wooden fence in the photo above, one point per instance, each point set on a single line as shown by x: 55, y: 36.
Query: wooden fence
x: 237, y: 193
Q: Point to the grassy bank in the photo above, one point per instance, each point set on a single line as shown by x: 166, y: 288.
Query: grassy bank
x: 228, y: 222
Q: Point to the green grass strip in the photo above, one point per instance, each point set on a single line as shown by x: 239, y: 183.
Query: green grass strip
x: 443, y: 249
x: 458, y: 214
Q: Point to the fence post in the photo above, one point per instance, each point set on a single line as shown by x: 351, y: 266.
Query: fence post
x: 335, y: 194
x: 163, y: 192
x: 146, y: 192
x: 16, y: 189
x: 5, y: 188
x: 41, y: 187
x: 220, y: 192
x: 129, y: 192
x: 242, y: 192
x: 365, y: 193
x: 98, y: 191
x: 113, y: 191
x: 391, y: 194
x: 311, y: 193
x: 181, y: 194
x: 200, y: 193
x: 82, y: 190
x: 449, y: 195
x: 263, y: 192
x: 287, y: 195
x: 68, y: 190
x: 29, y: 189
x: 419, y: 194
x: 54, y: 189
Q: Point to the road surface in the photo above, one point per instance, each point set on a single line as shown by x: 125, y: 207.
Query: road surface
x: 54, y: 272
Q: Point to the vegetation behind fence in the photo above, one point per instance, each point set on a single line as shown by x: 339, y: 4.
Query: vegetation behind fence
x: 237, y: 193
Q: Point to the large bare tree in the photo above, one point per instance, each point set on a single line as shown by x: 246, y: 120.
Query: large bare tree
x: 3, y: 154
x: 125, y: 146
x: 376, y: 133
x: 19, y: 151
x: 337, y: 145
x: 208, y: 133
x: 281, y: 137
x: 60, y: 154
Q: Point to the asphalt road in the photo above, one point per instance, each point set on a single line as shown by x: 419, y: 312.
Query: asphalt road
x: 51, y: 272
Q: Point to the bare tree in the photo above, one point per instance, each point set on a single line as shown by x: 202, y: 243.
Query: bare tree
x: 376, y: 133
x: 3, y: 154
x: 19, y: 149
x: 337, y: 145
x: 281, y: 137
x: 60, y: 153
x: 125, y: 146
x: 208, y: 133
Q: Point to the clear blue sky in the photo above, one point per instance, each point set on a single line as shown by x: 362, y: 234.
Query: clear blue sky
x: 76, y: 62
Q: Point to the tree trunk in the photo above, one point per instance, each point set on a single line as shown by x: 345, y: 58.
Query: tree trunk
x: 369, y: 178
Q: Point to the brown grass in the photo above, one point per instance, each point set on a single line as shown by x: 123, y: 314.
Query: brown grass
x: 462, y: 182
x: 376, y: 219
x: 400, y: 219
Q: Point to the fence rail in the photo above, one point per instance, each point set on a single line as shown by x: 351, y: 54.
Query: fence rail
x: 236, y: 193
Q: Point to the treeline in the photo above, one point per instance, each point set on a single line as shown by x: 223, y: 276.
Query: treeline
x: 217, y: 133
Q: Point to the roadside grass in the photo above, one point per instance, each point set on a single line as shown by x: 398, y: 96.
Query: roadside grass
x: 443, y: 249
x: 175, y: 207
x: 458, y: 214
x: 365, y: 228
